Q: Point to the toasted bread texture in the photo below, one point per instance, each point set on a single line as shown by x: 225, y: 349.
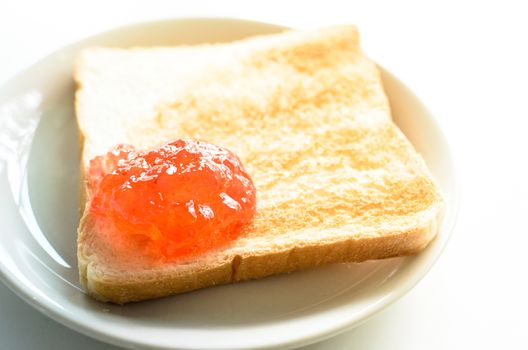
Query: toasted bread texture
x: 336, y: 180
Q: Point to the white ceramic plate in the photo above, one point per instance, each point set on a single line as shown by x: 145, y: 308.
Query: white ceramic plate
x: 38, y: 211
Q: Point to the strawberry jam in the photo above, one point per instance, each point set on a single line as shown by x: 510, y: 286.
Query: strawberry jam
x: 180, y: 199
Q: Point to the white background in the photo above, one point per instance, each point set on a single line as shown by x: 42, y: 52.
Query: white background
x: 466, y: 60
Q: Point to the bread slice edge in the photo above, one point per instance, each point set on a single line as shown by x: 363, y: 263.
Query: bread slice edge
x: 106, y: 286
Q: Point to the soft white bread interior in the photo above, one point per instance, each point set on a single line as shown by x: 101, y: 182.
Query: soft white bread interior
x: 306, y: 113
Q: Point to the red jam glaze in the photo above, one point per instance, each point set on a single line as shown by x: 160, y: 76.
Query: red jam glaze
x: 180, y: 199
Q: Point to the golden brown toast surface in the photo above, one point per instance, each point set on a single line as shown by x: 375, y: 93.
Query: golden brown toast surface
x: 307, y: 115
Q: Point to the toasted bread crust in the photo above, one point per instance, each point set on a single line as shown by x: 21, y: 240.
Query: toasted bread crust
x: 249, y: 267
x: 306, y: 113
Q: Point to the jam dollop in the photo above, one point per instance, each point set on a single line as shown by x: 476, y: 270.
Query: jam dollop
x: 180, y: 199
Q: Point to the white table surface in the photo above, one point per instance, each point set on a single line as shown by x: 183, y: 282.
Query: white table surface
x: 466, y: 60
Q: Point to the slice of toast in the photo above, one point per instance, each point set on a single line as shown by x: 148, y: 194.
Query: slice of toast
x: 306, y: 113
